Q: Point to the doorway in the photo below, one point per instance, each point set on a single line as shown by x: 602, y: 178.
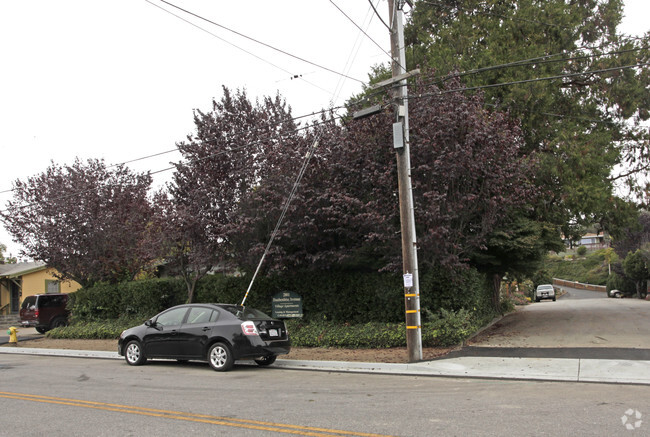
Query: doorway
x: 15, y: 298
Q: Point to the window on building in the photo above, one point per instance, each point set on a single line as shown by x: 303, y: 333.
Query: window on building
x: 52, y: 286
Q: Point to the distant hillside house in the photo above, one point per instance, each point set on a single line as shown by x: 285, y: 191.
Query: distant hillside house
x: 17, y: 281
x: 590, y: 241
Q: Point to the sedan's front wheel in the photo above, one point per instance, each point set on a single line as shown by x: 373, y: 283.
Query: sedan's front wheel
x: 220, y: 357
x: 133, y: 354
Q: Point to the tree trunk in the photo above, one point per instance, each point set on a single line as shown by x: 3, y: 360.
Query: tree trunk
x: 496, y: 289
x: 190, y: 282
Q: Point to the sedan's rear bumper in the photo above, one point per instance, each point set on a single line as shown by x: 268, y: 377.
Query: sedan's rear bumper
x: 259, y: 348
x: 546, y: 296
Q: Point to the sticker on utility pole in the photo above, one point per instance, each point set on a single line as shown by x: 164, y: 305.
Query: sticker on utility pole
x: 408, y: 280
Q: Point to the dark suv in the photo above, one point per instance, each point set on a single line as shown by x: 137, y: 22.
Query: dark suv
x: 44, y: 311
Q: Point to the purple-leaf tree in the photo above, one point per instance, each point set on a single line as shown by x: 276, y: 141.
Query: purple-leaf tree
x: 233, y: 153
x: 468, y: 171
x: 86, y: 220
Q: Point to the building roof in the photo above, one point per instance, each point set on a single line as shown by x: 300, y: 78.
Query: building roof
x: 20, y: 269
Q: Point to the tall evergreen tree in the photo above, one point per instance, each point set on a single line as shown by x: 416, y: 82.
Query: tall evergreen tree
x: 586, y: 124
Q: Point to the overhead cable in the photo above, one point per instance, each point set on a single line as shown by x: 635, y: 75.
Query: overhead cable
x: 361, y: 30
x: 236, y: 46
x: 285, y: 208
x: 378, y: 15
x: 261, y: 42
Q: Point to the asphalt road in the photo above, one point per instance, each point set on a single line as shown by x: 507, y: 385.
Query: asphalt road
x: 73, y: 396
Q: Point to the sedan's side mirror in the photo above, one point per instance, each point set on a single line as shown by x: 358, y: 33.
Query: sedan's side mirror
x: 150, y: 323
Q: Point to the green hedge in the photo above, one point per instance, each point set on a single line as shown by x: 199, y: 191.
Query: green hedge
x: 448, y: 328
x: 137, y: 298
x: 341, y: 308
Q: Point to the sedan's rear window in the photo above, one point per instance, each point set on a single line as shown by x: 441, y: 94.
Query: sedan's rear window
x: 244, y: 313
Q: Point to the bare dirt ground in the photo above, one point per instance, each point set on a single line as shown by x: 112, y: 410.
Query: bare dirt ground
x: 392, y: 355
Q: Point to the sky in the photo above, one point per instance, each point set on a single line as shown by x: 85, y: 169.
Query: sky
x: 119, y: 80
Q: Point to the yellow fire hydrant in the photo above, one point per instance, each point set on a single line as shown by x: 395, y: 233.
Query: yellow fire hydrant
x: 13, y: 338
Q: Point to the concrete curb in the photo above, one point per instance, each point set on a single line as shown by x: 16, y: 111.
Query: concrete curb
x: 535, y: 369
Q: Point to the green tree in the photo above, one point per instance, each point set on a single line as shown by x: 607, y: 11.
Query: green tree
x: 517, y: 248
x: 636, y: 268
x: 582, y: 125
x: 3, y: 259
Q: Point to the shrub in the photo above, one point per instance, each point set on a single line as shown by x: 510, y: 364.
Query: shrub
x: 618, y: 282
x: 446, y: 329
x: 582, y: 251
x: 137, y: 298
x: 107, y: 329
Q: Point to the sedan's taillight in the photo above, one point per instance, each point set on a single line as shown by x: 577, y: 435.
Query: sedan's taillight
x: 249, y: 328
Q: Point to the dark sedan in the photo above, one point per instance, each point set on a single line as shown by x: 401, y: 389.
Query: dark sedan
x: 216, y: 333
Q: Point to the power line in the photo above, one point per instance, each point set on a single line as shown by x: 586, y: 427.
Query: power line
x: 192, y: 161
x: 378, y: 15
x: 235, y: 46
x: 514, y: 63
x: 550, y: 114
x: 536, y: 61
x: 261, y: 42
x: 285, y: 208
x: 360, y: 29
x: 546, y: 59
x: 518, y: 82
x: 354, y: 51
x: 153, y: 155
x: 522, y: 62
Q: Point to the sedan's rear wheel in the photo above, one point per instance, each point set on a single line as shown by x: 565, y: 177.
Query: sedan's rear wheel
x: 266, y: 361
x: 220, y: 357
x: 133, y: 354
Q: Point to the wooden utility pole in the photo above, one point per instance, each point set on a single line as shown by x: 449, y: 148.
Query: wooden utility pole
x: 407, y: 216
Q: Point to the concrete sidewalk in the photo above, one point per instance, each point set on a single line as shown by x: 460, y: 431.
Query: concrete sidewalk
x: 539, y: 369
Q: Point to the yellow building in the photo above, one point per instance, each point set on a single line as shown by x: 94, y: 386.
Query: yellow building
x: 17, y: 281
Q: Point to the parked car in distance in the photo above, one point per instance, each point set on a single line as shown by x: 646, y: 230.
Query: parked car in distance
x: 544, y: 291
x: 626, y: 293
x: 615, y: 293
x: 44, y: 311
x: 217, y: 333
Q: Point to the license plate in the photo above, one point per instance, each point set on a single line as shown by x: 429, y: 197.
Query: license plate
x: 274, y: 333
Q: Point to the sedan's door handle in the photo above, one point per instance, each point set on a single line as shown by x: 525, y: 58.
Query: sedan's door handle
x: 206, y: 328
